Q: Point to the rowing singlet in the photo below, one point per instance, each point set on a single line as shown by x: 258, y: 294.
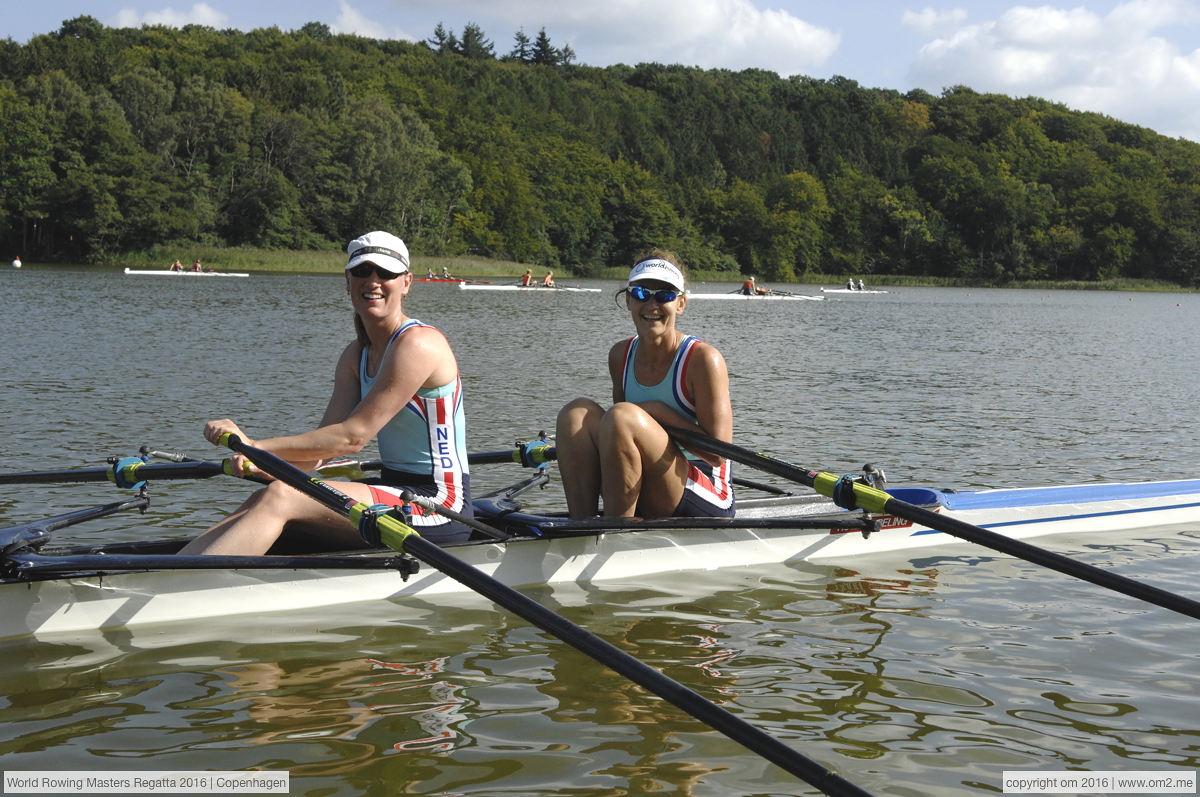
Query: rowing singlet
x: 709, y: 490
x: 426, y: 439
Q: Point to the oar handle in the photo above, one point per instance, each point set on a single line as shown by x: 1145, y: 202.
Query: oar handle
x: 391, y: 531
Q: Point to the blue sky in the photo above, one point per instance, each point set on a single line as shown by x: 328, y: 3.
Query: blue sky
x: 1137, y: 60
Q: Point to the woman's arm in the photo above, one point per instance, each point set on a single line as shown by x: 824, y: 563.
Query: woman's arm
x: 421, y: 357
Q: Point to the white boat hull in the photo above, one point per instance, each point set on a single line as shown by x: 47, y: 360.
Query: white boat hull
x: 168, y: 272
x: 856, y: 291
x: 89, y: 602
x: 467, y: 286
x: 757, y: 298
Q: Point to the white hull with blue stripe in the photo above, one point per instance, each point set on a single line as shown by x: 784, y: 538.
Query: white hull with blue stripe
x: 90, y: 599
x: 1026, y: 513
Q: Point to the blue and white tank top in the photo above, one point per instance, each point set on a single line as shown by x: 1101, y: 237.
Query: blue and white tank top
x: 427, y: 437
x: 672, y: 390
x: 712, y: 485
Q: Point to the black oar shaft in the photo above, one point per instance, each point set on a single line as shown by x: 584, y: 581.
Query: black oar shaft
x: 637, y: 671
x: 165, y: 471
x: 400, y: 537
x: 879, y: 501
x: 1040, y: 556
x: 743, y: 455
x: 479, y: 458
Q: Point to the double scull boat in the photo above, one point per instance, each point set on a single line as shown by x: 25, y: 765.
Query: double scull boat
x: 48, y: 589
x: 187, y: 273
x: 757, y: 297
x: 474, y: 286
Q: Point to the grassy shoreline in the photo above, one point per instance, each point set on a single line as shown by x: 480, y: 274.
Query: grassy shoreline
x: 332, y: 261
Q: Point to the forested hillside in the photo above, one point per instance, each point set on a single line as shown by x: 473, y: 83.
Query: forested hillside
x: 114, y: 140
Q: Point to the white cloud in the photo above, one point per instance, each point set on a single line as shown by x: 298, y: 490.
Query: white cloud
x: 733, y: 34
x: 935, y: 23
x: 351, y: 20
x: 1115, y: 64
x: 200, y: 14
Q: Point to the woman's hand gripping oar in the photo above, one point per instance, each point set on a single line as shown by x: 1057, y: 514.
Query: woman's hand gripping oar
x: 396, y: 535
x: 854, y: 495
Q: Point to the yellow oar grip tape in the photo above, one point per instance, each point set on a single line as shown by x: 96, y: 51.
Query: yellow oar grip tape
x: 123, y: 473
x: 227, y: 467
x: 867, y: 498
x: 392, y: 532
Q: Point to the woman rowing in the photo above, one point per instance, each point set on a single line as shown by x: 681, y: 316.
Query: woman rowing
x: 398, y: 380
x: 660, y: 377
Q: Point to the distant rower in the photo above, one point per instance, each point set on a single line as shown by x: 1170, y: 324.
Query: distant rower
x: 751, y: 289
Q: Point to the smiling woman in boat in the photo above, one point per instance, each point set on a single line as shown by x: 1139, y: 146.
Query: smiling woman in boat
x: 660, y: 377
x: 398, y: 380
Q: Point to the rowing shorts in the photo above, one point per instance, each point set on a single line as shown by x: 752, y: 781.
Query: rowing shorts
x: 709, y: 491
x: 386, y: 489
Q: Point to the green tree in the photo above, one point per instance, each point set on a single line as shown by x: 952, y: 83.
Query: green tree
x: 522, y: 50
x: 475, y: 44
x: 25, y: 173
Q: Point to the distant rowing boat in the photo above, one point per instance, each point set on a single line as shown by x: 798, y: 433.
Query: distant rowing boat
x: 469, y: 286
x: 450, y: 279
x: 847, y: 290
x: 189, y: 273
x: 757, y: 297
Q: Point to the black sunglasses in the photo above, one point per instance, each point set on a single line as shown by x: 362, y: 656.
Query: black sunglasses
x: 364, y: 270
x: 662, y: 297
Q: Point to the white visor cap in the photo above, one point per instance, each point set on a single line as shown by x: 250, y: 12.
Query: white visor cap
x: 657, y: 269
x: 381, y: 248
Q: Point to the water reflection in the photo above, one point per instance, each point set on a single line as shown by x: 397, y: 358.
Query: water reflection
x: 932, y: 676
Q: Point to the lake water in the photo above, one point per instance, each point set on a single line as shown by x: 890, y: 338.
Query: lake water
x: 919, y: 676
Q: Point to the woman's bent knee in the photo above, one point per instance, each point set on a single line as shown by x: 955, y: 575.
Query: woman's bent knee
x: 579, y: 414
x: 625, y: 418
x: 580, y: 406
